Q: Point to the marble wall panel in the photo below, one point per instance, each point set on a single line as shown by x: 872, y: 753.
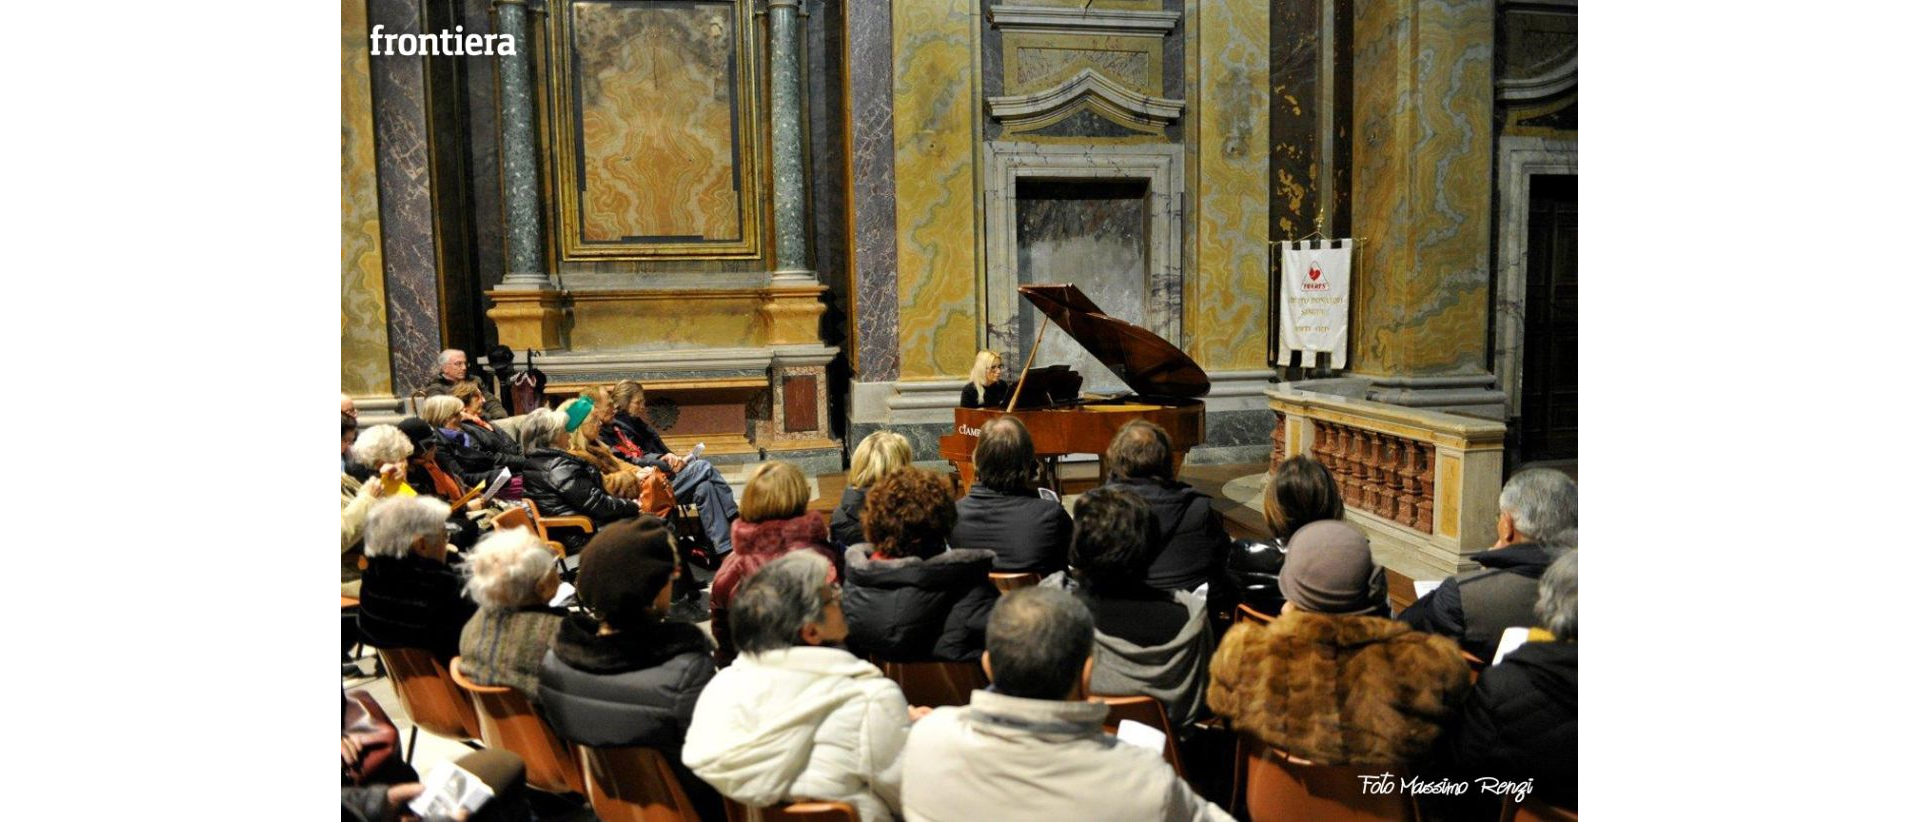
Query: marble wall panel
x: 364, y: 366
x: 406, y: 201
x: 876, y: 296
x: 934, y: 108
x: 1092, y: 234
x: 672, y: 319
x: 659, y: 153
x: 1422, y: 185
x: 483, y: 153
x: 1229, y: 282
x: 1038, y: 68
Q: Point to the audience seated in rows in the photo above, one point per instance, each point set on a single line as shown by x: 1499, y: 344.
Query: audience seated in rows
x: 511, y: 575
x: 471, y: 463
x: 795, y: 716
x: 450, y: 369
x: 1539, y: 513
x: 624, y: 675
x: 485, y: 435
x: 562, y: 484
x: 1326, y: 683
x: 409, y: 595
x: 875, y: 457
x: 1146, y: 641
x: 1023, y: 748
x: 587, y: 416
x: 1192, y: 546
x: 1520, y: 722
x: 774, y: 521
x: 909, y: 598
x: 694, y: 481
x: 380, y: 451
x: 1003, y: 513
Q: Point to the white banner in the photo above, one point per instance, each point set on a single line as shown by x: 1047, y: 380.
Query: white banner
x: 1314, y: 285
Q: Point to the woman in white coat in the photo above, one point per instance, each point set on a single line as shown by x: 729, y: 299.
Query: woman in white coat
x: 796, y: 716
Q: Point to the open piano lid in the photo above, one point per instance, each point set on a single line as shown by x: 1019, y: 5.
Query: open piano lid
x: 1149, y: 365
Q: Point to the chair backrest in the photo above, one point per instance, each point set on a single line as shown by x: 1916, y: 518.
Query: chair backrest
x: 1247, y: 614
x: 634, y: 784
x: 508, y: 721
x: 1008, y: 583
x: 1280, y: 787
x: 1534, y: 810
x: 1147, y: 711
x: 514, y: 517
x: 934, y: 684
x: 806, y: 811
x: 428, y: 694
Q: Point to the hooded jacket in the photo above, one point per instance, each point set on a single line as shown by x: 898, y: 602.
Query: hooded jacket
x: 808, y: 722
x: 1026, y: 532
x: 1521, y: 722
x: 636, y: 687
x: 1474, y: 608
x: 1174, y: 671
x: 1339, y: 689
x: 1194, y: 542
x: 1007, y: 757
x: 912, y: 609
x: 755, y: 544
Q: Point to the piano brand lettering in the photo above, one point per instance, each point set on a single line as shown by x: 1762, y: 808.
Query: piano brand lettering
x: 967, y: 430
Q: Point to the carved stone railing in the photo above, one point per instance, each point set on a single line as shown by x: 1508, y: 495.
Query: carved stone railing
x: 1424, y: 485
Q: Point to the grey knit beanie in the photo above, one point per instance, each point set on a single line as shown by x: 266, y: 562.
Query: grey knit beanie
x: 1328, y: 568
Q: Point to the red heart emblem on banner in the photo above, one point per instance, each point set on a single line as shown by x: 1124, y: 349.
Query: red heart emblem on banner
x: 1313, y: 273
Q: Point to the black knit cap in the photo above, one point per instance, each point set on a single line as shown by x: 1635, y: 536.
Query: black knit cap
x: 624, y: 567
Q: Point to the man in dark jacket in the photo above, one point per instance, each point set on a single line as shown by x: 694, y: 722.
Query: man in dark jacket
x: 1539, y: 512
x: 1003, y: 513
x: 1193, y: 541
x: 451, y: 368
x: 409, y: 596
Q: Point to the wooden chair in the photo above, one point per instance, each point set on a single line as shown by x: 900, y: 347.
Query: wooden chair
x: 429, y: 696
x: 1008, y: 583
x: 1281, y: 787
x: 508, y: 722
x: 934, y: 684
x: 1147, y: 711
x: 807, y: 811
x: 1534, y: 810
x: 634, y: 784
x: 543, y: 525
x: 517, y: 517
x: 1248, y: 614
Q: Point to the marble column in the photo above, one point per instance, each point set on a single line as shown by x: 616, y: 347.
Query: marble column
x: 520, y: 177
x: 789, y: 182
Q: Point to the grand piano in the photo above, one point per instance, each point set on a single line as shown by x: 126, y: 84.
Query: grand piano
x: 1166, y: 386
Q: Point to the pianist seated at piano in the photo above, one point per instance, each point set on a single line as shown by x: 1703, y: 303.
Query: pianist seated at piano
x: 984, y: 388
x: 1193, y: 539
x: 1002, y: 511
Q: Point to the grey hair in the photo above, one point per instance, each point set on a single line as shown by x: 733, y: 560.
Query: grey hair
x: 1542, y: 502
x: 1558, y: 608
x: 538, y: 429
x: 1038, y: 639
x: 768, y: 612
x: 440, y: 410
x: 506, y: 568
x: 379, y: 445
x: 396, y: 523
x: 446, y: 356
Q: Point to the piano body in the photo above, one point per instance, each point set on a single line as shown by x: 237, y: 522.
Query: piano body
x: 1166, y: 386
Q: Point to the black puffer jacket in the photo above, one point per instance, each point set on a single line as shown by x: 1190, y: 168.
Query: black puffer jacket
x: 471, y: 463
x: 1026, y: 532
x: 564, y: 485
x: 413, y: 602
x: 1194, y: 542
x: 1520, y: 722
x: 913, y: 609
x: 504, y: 450
x: 845, y: 522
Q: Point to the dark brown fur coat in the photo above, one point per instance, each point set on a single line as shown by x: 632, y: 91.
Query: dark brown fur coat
x: 1339, y: 689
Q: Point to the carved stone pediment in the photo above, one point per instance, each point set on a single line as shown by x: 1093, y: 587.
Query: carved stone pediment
x: 1089, y: 90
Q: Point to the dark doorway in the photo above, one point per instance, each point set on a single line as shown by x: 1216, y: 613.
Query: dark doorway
x: 1550, y: 378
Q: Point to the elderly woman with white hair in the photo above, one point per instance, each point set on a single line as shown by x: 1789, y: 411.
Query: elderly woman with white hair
x: 512, y: 576
x: 409, y: 595
x: 381, y: 450
x: 562, y: 484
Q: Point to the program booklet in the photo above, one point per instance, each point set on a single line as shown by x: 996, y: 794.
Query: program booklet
x: 449, y: 788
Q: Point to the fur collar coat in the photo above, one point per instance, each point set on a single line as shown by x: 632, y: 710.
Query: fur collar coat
x: 1339, y: 689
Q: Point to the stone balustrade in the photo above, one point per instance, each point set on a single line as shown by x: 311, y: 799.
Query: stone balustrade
x: 1423, y: 485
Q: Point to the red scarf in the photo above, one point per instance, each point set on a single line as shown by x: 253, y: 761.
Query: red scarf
x: 625, y: 445
x: 444, y: 485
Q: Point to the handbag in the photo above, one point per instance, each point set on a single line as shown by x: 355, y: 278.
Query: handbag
x: 363, y: 721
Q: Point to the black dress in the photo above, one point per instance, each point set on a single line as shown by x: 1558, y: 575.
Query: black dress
x: 996, y: 396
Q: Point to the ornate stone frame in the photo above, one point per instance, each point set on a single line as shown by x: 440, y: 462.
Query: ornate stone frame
x: 1519, y: 159
x: 1161, y: 165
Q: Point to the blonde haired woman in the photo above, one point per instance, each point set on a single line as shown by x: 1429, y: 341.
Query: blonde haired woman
x: 774, y: 521
x: 877, y: 456
x: 585, y: 416
x: 984, y: 388
x: 694, y: 480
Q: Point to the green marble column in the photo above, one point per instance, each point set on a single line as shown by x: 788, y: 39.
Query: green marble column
x: 789, y: 181
x: 520, y: 178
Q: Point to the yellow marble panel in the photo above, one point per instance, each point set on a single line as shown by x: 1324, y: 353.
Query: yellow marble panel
x: 656, y: 122
x: 1447, y: 491
x: 1128, y: 5
x: 364, y: 366
x: 934, y: 107
x: 1228, y: 297
x: 648, y: 320
x: 1422, y: 185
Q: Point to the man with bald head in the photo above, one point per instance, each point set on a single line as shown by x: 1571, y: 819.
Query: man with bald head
x: 451, y: 370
